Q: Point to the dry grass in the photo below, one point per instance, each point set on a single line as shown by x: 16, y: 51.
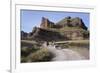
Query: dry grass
x: 41, y: 55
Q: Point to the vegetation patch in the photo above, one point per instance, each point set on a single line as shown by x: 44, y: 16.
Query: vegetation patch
x: 40, y: 55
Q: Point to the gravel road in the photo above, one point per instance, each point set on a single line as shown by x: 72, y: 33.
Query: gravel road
x: 64, y: 54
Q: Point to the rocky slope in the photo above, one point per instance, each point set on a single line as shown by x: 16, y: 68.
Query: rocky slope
x: 72, y: 22
x: 67, y: 28
x: 40, y: 34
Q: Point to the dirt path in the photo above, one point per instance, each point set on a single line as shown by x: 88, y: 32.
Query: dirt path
x: 64, y: 54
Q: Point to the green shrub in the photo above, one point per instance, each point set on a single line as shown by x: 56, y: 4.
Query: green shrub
x: 25, y: 51
x: 40, y: 55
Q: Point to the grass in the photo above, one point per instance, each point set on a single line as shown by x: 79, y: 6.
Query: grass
x: 40, y: 55
x: 25, y: 51
x: 32, y: 52
x: 79, y: 43
x: 73, y: 41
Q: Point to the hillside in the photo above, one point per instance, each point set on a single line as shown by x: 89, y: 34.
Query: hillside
x: 66, y: 29
x: 72, y: 22
x: 45, y: 35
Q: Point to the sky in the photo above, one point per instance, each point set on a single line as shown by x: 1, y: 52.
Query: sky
x: 32, y: 18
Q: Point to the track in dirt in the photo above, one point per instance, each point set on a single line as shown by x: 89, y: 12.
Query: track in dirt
x: 64, y: 54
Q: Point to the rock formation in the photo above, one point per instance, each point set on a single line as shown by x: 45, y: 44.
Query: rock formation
x: 45, y: 23
x: 40, y: 34
x: 67, y: 21
x: 72, y: 22
x: 66, y: 29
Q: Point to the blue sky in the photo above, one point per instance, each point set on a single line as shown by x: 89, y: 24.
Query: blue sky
x: 31, y: 18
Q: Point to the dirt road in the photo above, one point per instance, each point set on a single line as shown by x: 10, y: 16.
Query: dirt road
x: 64, y: 54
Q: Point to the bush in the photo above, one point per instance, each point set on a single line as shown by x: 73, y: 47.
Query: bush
x: 40, y: 55
x: 25, y: 51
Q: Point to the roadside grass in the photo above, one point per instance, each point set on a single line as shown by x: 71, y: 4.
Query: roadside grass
x: 79, y: 44
x: 41, y: 55
x: 25, y: 51
x: 74, y: 43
